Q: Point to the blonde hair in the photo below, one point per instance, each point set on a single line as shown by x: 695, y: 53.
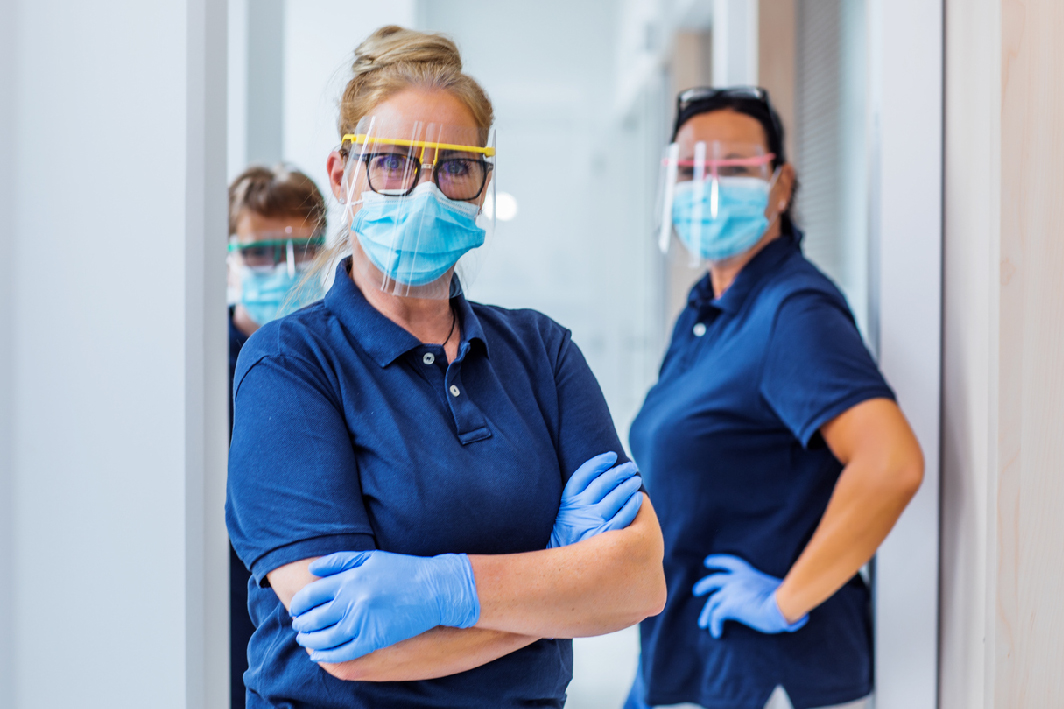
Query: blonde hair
x: 393, y: 59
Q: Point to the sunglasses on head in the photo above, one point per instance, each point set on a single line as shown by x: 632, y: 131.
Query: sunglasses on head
x: 701, y: 99
x: 705, y: 93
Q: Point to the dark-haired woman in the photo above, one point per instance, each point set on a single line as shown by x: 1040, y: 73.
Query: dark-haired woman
x: 776, y: 455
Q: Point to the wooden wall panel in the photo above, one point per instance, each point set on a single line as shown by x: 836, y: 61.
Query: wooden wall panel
x: 1003, y: 395
x: 1029, y: 616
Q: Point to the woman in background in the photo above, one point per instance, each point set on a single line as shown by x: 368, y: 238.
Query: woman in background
x: 771, y: 444
x: 276, y: 228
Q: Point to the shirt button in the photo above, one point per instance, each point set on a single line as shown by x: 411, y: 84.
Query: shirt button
x: 699, y: 329
x: 428, y: 358
x: 454, y: 390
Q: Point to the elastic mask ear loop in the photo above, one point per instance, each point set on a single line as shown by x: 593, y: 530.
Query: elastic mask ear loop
x: 771, y: 186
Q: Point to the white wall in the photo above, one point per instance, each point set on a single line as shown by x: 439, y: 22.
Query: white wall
x: 7, y: 293
x: 320, y: 37
x: 735, y: 33
x: 265, y: 87
x: 116, y: 433
x: 237, y: 88
x: 972, y: 226
x: 906, y: 94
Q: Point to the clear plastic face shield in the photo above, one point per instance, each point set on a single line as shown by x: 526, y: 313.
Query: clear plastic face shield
x: 268, y: 270
x: 414, y: 197
x: 714, y: 196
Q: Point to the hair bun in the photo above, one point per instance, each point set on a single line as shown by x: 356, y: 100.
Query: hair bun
x: 398, y: 45
x: 395, y: 59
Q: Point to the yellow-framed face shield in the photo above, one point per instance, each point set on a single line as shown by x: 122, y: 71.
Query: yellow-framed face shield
x: 418, y: 204
x: 393, y: 166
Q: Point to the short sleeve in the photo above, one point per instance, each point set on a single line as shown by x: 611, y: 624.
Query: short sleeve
x: 816, y: 364
x: 293, y: 490
x: 585, y: 427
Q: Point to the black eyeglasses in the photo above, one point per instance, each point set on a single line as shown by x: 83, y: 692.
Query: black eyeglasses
x: 396, y: 174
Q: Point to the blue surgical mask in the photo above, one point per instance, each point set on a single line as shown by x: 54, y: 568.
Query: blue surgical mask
x: 416, y: 239
x: 265, y: 291
x: 740, y: 220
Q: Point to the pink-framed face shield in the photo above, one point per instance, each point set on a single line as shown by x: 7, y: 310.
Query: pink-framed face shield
x: 704, y: 184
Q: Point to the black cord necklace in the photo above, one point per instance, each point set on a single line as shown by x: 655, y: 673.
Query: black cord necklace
x: 454, y: 321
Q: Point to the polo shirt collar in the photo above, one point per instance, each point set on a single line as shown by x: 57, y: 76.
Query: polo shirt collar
x: 383, y: 340
x: 764, y: 262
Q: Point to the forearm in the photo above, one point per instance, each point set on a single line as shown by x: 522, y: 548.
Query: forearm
x: 867, y: 502
x: 605, y: 583
x: 437, y: 653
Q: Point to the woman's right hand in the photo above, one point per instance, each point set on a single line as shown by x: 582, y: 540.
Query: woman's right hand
x: 599, y: 497
x: 370, y: 600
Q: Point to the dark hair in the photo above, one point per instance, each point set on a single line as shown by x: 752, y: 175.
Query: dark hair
x: 762, y: 111
x: 278, y: 191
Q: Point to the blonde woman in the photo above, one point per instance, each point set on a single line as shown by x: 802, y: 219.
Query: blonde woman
x: 429, y: 491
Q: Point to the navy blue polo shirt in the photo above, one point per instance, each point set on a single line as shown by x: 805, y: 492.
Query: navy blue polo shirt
x: 729, y: 446
x: 350, y: 434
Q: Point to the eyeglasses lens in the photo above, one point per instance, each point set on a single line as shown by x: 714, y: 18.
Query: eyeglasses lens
x: 397, y: 174
x: 391, y: 173
x: 461, y: 178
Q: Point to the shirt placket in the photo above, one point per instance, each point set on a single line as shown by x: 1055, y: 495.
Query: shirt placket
x: 468, y: 419
x: 446, y: 379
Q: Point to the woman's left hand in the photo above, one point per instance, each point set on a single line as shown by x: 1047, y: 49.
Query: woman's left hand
x: 599, y: 497
x: 741, y: 593
x: 370, y: 600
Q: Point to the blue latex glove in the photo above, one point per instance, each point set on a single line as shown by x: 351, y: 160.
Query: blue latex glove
x: 370, y: 600
x: 599, y: 497
x: 741, y: 593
